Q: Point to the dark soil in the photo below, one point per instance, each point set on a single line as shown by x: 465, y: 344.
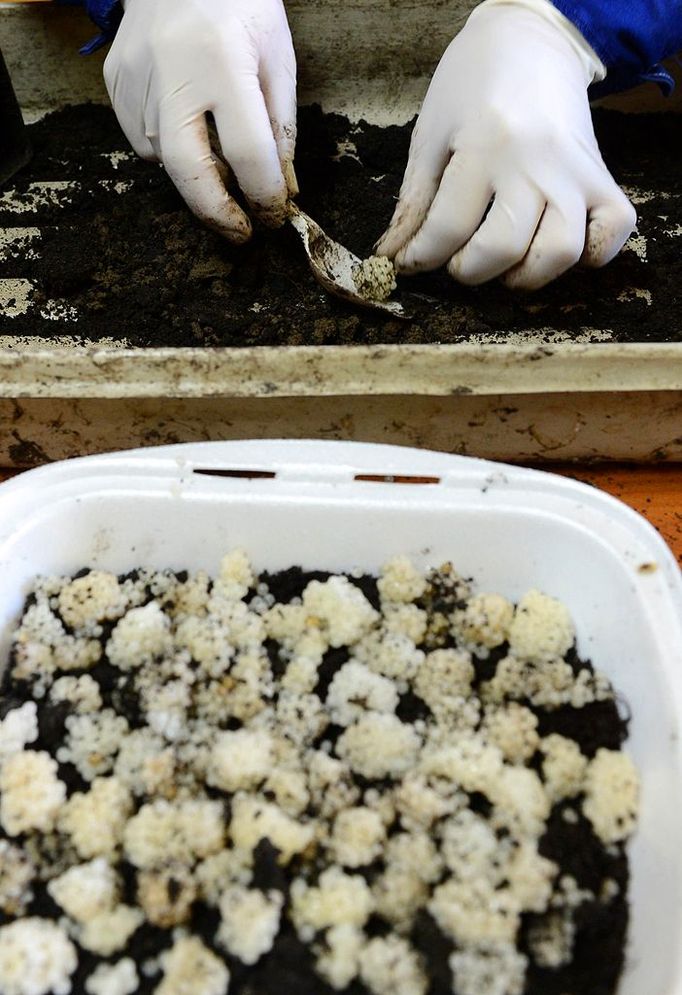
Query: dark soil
x: 137, y: 265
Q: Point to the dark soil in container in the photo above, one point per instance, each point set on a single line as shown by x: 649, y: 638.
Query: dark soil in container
x: 137, y: 266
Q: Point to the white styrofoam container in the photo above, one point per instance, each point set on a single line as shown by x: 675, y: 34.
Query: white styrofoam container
x: 509, y: 528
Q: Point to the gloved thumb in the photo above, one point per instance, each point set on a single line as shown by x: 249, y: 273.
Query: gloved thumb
x: 290, y: 178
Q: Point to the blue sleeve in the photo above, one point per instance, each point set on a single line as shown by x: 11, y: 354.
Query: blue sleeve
x: 107, y: 16
x: 629, y: 36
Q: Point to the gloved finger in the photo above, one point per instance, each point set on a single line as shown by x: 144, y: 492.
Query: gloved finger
x: 425, y: 166
x: 278, y: 84
x: 186, y: 154
x: 129, y: 110
x: 503, y: 238
x: 556, y: 247
x: 249, y: 147
x: 609, y: 226
x: 134, y: 131
x: 455, y: 214
x: 222, y: 167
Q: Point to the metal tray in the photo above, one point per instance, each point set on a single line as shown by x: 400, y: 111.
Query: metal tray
x: 534, y: 396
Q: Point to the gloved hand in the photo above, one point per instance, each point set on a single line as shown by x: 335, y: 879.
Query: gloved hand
x: 506, y: 129
x: 171, y: 62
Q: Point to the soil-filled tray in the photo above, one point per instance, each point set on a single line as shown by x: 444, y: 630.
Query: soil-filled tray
x: 95, y: 243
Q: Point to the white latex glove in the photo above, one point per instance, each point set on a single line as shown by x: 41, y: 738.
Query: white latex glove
x: 506, y: 125
x: 174, y: 60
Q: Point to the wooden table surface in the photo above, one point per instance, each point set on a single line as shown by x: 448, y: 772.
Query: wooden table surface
x: 653, y: 490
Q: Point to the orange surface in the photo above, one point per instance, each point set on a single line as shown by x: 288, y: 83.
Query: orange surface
x: 655, y: 491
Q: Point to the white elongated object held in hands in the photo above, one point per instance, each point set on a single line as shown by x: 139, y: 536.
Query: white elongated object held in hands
x: 365, y: 282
